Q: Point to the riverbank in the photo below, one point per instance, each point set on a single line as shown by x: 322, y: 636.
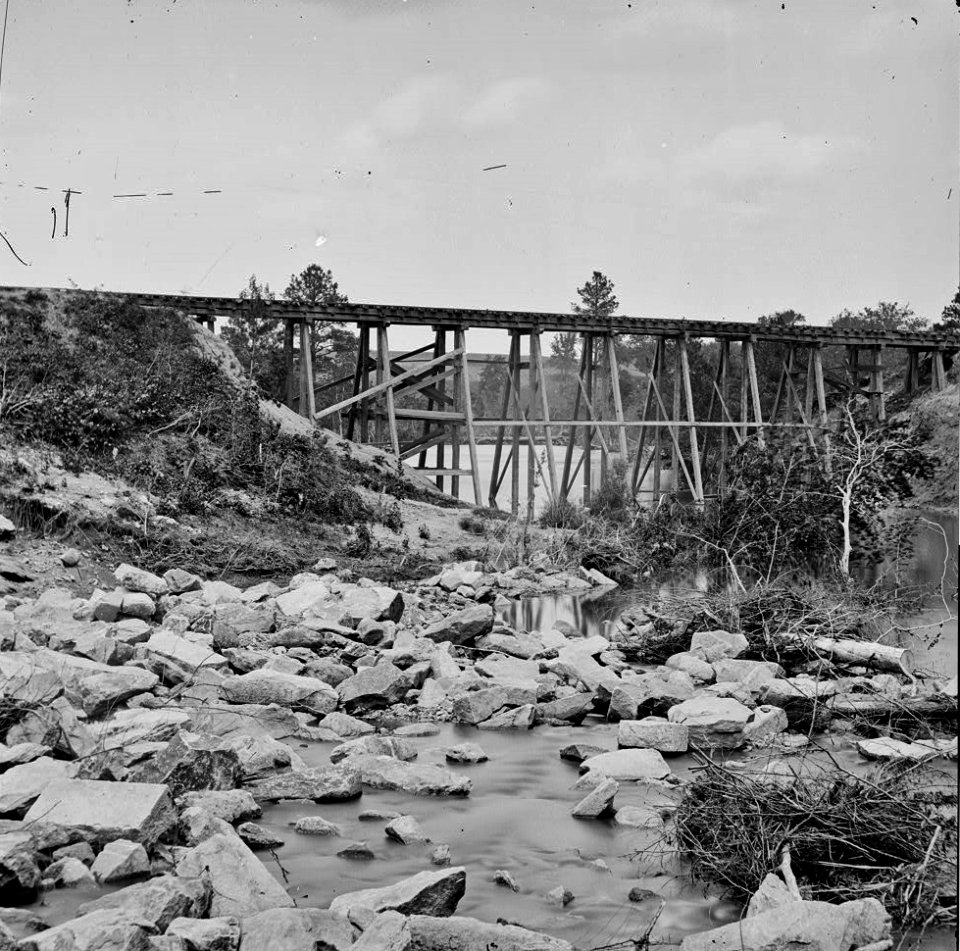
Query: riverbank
x: 347, y: 707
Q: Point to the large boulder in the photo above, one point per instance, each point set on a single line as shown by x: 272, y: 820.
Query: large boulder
x: 24, y: 681
x: 136, y: 579
x: 717, y: 645
x: 287, y: 690
x: 468, y: 934
x: 427, y: 893
x: 418, y: 779
x: 628, y: 765
x: 377, y: 603
x: 240, y: 882
x: 373, y: 688
x: 654, y: 733
x: 157, y: 901
x: 174, y: 658
x: 753, y: 674
x: 506, y: 669
x: 206, y: 934
x: 112, y: 930
x: 295, y: 929
x: 103, y: 811
x: 651, y: 693
x: 190, y: 762
x: 375, y: 745
x: 712, y: 722
x: 475, y: 706
x: 249, y: 719
x: 807, y: 925
x: 464, y: 626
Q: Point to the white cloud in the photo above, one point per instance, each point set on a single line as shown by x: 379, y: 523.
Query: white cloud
x: 504, y: 101
x: 764, y: 152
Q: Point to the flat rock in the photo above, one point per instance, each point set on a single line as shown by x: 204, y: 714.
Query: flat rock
x: 258, y: 837
x: 157, y: 901
x: 468, y: 934
x: 475, y: 706
x: 240, y: 882
x: 890, y: 750
x: 296, y: 929
x: 628, y: 765
x: 378, y: 603
x: 316, y: 825
x: 105, y: 811
x: 712, y: 722
x: 465, y: 753
x: 638, y: 817
x: 231, y: 805
x: 598, y: 802
x: 136, y: 579
x: 345, y: 725
x: 418, y: 779
x: 175, y: 659
x: 578, y: 752
x: 573, y: 708
x: 426, y: 893
x: 753, y: 674
x: 206, y: 934
x: 654, y: 733
x: 516, y: 718
x: 811, y: 925
x: 388, y: 931
x: 191, y: 762
x: 320, y: 784
x: 506, y: 669
x: 22, y: 785
x: 287, y: 690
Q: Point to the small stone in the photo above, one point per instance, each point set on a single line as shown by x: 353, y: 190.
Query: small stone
x: 316, y: 825
x: 502, y: 877
x: 377, y: 815
x: 578, y: 752
x: 70, y: 558
x: 440, y: 856
x: 357, y: 850
x: 638, y: 817
x: 643, y: 894
x: 257, y: 837
x: 598, y: 802
x: 68, y: 873
x: 465, y: 753
x: 140, y: 581
x: 406, y: 830
x: 138, y: 604
x: 560, y: 896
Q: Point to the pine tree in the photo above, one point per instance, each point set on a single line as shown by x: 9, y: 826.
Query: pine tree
x: 596, y: 297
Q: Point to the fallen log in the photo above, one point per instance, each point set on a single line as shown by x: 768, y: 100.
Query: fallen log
x: 880, y: 707
x: 862, y: 653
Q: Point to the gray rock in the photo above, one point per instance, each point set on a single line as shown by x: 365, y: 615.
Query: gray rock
x: 178, y: 581
x: 136, y: 579
x: 22, y: 785
x: 465, y: 753
x: 427, y: 893
x: 418, y: 779
x: 813, y: 925
x: 102, y: 811
x: 462, y: 627
x: 712, y: 722
x: 475, y: 706
x: 638, y: 817
x: 502, y: 877
x: 518, y: 718
x: 578, y: 752
x: 598, y: 802
x: 288, y: 690
x: 359, y: 851
x: 692, y: 664
x: 138, y: 604
x: 240, y: 882
x: 388, y: 931
x: 771, y: 894
x: 191, y: 762
x: 375, y: 746
x: 405, y: 830
x: 378, y: 603
x: 175, y: 659
x: 231, y: 805
x: 21, y: 753
x: 120, y: 859
x: 765, y: 723
x: 319, y: 784
x: 373, y: 688
x: 753, y: 674
x: 98, y: 931
x: 257, y: 837
x: 573, y: 708
x: 252, y: 719
x: 560, y: 896
x: 208, y: 934
x: 68, y: 872
x: 316, y: 825
x: 652, y: 693
x: 440, y: 856
x: 346, y: 726
x: 655, y: 733
x: 468, y: 934
x: 717, y: 645
x: 295, y: 929
x: 628, y: 765
x: 156, y: 902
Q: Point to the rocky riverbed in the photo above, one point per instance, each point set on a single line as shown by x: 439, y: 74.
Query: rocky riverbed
x: 189, y: 765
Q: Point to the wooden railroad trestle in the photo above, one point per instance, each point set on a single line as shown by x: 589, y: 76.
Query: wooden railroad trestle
x: 559, y: 449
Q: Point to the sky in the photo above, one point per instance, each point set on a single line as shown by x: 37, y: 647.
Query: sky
x: 717, y: 159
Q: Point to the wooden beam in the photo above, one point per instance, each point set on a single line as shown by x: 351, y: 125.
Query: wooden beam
x: 536, y: 356
x: 617, y: 396
x: 384, y: 349
x: 754, y: 389
x: 460, y: 343
x: 383, y: 386
x: 637, y: 477
x: 692, y: 418
x: 495, y: 477
x: 514, y: 379
x: 566, y: 481
x: 290, y: 382
x: 586, y: 387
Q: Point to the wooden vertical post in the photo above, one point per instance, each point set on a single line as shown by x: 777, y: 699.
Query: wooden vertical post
x: 639, y: 467
x: 675, y: 414
x: 938, y: 376
x: 754, y: 391
x: 439, y: 349
x: 289, y: 378
x: 365, y: 382
x: 515, y: 415
x: 588, y: 430
x: 691, y: 420
x: 659, y: 361
x: 536, y: 355
x: 617, y: 397
x: 912, y: 381
x: 533, y: 384
x: 877, y: 395
x: 565, y: 482
x: 357, y: 378
x: 455, y: 436
x: 460, y: 343
x: 384, y: 373
x: 308, y: 407
x: 744, y: 391
x: 422, y: 459
x: 724, y: 394
x: 822, y: 417
x: 501, y: 431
